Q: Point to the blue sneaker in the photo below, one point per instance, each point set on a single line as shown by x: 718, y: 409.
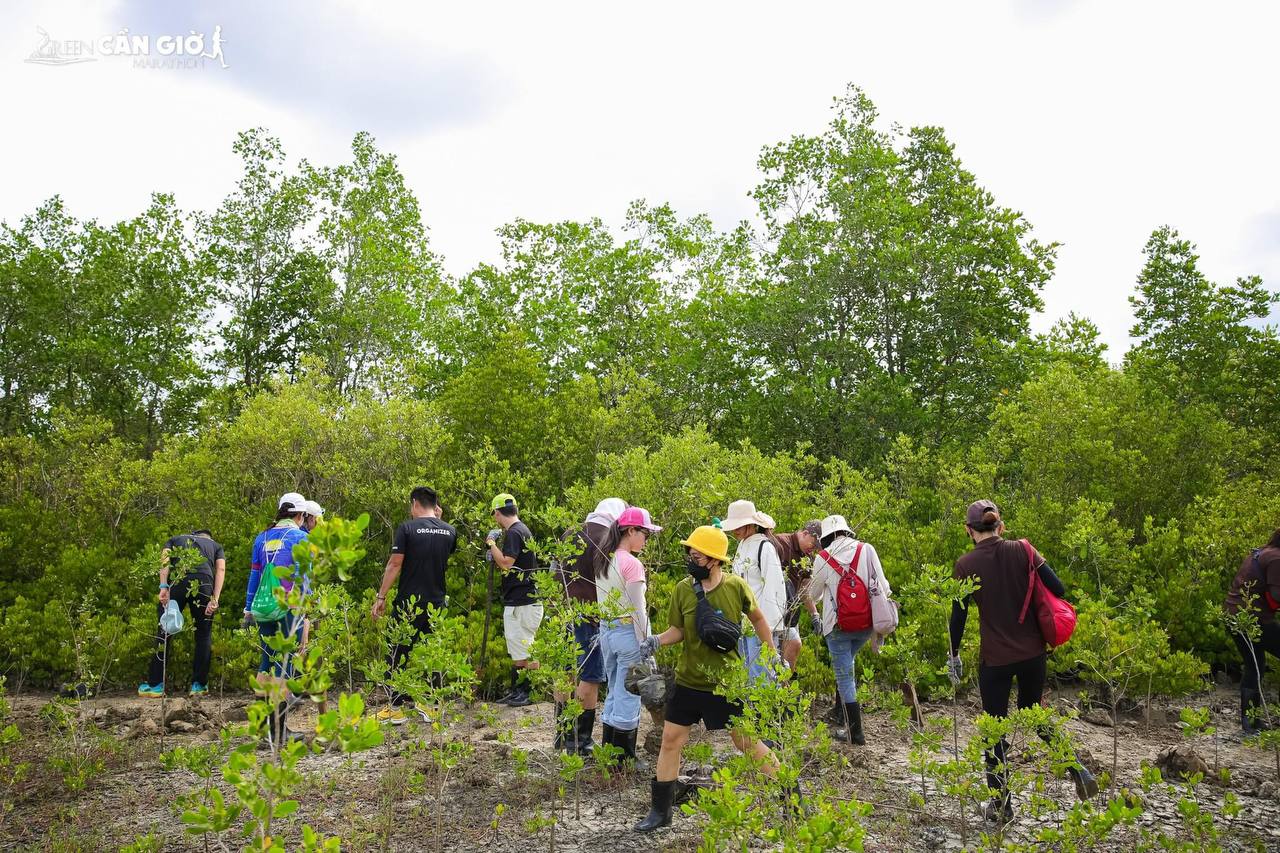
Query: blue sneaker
x: 198, y: 689
x: 155, y: 691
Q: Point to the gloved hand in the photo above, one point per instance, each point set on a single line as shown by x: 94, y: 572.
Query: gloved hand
x: 955, y: 670
x: 816, y: 622
x: 649, y: 646
x: 492, y: 535
x: 247, y: 621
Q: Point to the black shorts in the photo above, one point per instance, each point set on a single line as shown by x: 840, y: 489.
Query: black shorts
x: 688, y: 706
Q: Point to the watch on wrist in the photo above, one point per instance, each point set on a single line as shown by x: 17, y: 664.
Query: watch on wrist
x: 164, y: 586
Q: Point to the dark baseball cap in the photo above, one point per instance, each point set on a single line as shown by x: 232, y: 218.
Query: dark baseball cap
x: 977, y: 509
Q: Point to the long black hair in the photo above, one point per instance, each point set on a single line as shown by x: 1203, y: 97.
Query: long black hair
x: 602, y: 555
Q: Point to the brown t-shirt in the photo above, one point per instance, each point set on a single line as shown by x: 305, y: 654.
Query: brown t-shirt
x: 1000, y: 567
x: 579, y: 575
x: 793, y: 559
x: 1246, y: 581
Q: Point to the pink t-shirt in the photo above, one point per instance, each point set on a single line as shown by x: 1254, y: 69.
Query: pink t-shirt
x: 631, y: 569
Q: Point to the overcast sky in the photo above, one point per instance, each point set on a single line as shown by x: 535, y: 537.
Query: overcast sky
x: 1098, y: 120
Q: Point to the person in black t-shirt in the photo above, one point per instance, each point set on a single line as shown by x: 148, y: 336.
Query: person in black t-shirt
x: 420, y: 549
x: 197, y: 587
x: 521, y: 612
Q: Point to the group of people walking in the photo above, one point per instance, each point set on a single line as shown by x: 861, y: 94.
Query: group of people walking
x: 727, y: 611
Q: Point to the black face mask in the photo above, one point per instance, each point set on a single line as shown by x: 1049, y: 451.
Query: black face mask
x: 699, y: 572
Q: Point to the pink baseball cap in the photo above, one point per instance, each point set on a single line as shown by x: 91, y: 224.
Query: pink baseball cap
x: 635, y: 516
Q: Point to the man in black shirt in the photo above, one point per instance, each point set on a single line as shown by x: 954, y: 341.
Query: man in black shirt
x: 420, y: 549
x: 521, y: 612
x: 199, y: 566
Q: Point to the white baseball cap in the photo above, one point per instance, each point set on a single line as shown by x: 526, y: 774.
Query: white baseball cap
x: 293, y: 499
x: 312, y: 508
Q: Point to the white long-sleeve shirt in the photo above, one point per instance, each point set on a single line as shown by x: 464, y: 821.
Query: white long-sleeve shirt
x: 761, y: 568
x: 826, y: 580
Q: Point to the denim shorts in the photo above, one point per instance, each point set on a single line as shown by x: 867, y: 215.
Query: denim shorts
x: 590, y: 659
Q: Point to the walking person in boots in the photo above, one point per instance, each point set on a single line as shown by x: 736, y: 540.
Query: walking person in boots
x: 577, y: 575
x: 620, y: 589
x: 843, y: 572
x: 1011, y: 649
x: 1259, y: 581
x: 709, y: 648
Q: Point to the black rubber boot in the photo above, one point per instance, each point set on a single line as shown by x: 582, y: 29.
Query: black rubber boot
x: 851, y: 732
x: 608, y: 735
x: 1086, y: 784
x: 582, y: 741
x: 659, y: 809
x: 560, y: 742
x: 1251, y: 720
x: 515, y: 675
x: 836, y: 715
x: 627, y: 741
x: 999, y: 810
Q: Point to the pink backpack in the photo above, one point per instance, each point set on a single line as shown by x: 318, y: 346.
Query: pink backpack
x: 1056, y: 616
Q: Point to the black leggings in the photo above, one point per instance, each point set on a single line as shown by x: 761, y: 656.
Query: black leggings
x: 994, y: 683
x: 400, y: 652
x: 1254, y: 655
x: 192, y: 593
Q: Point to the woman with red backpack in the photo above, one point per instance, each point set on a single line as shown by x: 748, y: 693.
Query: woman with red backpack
x: 843, y: 572
x: 1012, y: 646
x: 1256, y: 586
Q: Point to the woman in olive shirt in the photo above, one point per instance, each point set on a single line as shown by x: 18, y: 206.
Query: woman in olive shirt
x: 700, y: 667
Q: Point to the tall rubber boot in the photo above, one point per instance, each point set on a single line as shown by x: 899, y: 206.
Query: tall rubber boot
x: 582, y: 740
x: 851, y: 732
x: 506, y: 700
x: 608, y: 735
x: 1251, y: 721
x: 659, y: 807
x: 1086, y: 784
x: 627, y: 740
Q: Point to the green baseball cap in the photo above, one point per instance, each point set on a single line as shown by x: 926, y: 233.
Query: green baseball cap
x: 502, y: 500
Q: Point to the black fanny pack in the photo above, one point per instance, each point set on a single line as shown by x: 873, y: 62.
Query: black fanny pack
x: 714, y: 629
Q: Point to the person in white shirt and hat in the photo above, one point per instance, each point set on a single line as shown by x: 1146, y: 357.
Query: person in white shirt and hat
x: 757, y: 562
x: 843, y: 554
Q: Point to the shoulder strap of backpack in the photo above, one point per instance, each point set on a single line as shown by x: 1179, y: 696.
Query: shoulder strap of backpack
x: 1032, y: 577
x: 698, y: 591
x: 836, y: 566
x: 1262, y: 582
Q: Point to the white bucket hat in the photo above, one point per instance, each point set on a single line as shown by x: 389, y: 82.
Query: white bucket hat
x: 834, y: 524
x: 312, y: 508
x: 745, y: 512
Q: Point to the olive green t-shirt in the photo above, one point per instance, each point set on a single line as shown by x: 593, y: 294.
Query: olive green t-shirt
x: 700, y: 665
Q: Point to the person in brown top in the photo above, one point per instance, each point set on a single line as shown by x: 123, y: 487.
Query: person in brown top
x: 1258, y: 581
x: 1010, y: 649
x: 578, y: 578
x: 794, y: 550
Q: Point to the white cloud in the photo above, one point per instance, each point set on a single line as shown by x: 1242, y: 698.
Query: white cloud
x: 1099, y: 121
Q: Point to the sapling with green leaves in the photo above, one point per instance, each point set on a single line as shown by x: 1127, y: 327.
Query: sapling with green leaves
x: 1124, y: 649
x: 746, y: 805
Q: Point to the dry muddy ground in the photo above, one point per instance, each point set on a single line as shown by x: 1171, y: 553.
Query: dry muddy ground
x: 385, y: 793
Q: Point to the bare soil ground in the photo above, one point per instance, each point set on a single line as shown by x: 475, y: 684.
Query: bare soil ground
x: 383, y: 792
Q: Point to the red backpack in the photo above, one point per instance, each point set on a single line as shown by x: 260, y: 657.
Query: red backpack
x: 1056, y: 616
x: 853, y: 603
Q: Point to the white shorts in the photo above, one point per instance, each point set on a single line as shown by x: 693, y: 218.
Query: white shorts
x: 782, y: 636
x: 519, y: 624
